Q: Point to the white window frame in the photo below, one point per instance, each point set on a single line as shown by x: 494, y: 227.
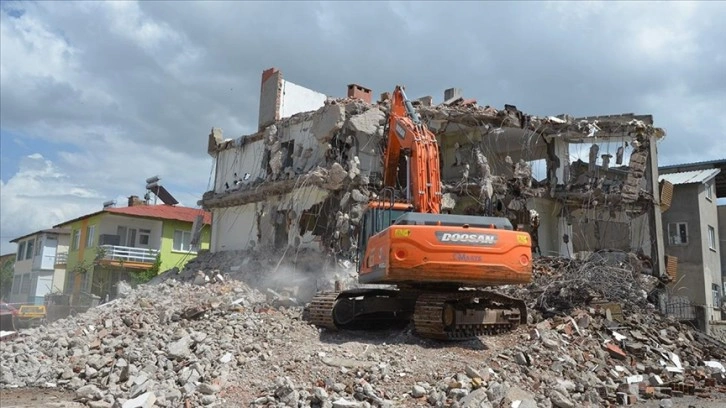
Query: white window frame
x: 179, y: 246
x: 677, y: 225
x: 711, y: 238
x: 16, y: 284
x: 25, y: 282
x: 29, y: 249
x: 144, y: 233
x: 90, y: 236
x: 21, y: 251
x: 709, y: 191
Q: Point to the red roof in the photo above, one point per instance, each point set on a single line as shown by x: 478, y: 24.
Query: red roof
x: 163, y: 211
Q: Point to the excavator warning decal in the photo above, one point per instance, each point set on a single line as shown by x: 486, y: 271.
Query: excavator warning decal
x: 400, y: 131
x: 402, y: 233
x: 522, y: 239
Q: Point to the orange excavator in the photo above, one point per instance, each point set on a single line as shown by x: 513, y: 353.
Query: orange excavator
x: 419, y: 265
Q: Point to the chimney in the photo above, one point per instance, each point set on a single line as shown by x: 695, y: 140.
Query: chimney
x: 452, y: 93
x: 135, y: 201
x: 270, y: 97
x: 359, y: 92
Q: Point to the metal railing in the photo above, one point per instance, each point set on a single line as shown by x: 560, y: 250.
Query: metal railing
x: 129, y: 254
x: 61, y: 258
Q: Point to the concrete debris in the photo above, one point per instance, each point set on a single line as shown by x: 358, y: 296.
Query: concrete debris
x: 489, y: 167
x: 250, y: 347
x: 327, y: 121
x: 563, y: 283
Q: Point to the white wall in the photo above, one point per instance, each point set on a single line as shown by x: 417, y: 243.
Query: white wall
x: 110, y: 222
x: 296, y: 99
x: 248, y: 158
x: 236, y: 228
x: 548, y: 227
x: 241, y: 160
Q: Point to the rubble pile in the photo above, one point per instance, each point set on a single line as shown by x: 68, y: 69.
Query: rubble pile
x: 560, y: 284
x: 167, y: 344
x: 299, y: 275
x: 213, y: 341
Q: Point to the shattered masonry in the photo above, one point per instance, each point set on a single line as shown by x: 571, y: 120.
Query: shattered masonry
x: 579, y: 185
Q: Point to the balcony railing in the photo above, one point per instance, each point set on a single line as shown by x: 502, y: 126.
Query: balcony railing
x: 129, y: 254
x: 61, y: 258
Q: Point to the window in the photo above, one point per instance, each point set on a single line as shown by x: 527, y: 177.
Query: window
x: 678, y: 233
x: 29, y: 249
x: 711, y: 238
x: 144, y: 236
x: 16, y: 284
x: 25, y: 284
x: 709, y: 191
x: 21, y: 251
x: 182, y: 241
x: 76, y: 243
x: 90, y: 235
x: 716, y: 296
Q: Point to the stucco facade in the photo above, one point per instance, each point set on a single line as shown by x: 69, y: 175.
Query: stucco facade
x: 40, y: 267
x: 111, y: 245
x: 691, y: 233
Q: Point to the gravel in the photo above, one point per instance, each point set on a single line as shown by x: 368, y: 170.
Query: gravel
x: 223, y: 343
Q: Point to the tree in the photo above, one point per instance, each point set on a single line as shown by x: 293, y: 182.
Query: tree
x: 6, y: 276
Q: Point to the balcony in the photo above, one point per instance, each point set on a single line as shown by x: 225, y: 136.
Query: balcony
x: 129, y: 257
x: 61, y: 258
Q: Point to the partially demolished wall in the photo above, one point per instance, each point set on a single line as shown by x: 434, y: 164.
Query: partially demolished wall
x: 577, y: 185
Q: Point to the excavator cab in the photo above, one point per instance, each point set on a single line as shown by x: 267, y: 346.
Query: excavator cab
x: 377, y: 217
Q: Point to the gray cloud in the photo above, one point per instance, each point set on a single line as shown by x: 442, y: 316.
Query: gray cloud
x: 135, y: 87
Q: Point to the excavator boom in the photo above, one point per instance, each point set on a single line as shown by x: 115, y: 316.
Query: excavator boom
x: 408, y: 135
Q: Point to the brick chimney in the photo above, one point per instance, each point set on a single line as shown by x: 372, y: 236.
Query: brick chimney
x: 135, y: 201
x: 359, y: 92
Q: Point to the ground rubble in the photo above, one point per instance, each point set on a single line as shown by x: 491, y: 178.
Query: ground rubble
x: 214, y: 341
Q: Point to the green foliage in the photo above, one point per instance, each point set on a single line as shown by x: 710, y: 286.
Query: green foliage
x: 82, y: 267
x: 149, y: 274
x: 6, y: 277
x: 100, y: 254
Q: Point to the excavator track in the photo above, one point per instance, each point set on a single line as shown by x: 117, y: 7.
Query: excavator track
x: 320, y: 310
x: 453, y: 316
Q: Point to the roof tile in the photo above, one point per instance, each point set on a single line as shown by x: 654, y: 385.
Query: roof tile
x: 163, y: 211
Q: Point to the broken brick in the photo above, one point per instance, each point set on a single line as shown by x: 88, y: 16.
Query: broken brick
x: 615, y: 352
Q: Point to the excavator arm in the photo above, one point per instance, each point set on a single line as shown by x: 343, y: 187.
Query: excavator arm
x: 408, y: 135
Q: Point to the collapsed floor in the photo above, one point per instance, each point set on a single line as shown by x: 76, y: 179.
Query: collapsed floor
x: 577, y: 185
x: 593, y: 340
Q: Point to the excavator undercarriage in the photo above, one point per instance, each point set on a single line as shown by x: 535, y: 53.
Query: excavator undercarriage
x: 440, y: 315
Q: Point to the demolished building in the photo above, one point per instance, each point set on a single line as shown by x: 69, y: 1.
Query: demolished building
x: 300, y: 184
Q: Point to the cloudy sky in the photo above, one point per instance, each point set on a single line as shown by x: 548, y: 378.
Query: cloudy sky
x: 96, y: 97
